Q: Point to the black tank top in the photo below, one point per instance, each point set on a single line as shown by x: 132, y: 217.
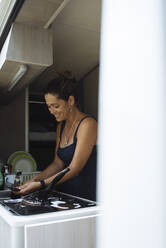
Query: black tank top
x: 83, y: 185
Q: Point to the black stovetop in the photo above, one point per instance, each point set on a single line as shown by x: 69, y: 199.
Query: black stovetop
x: 39, y: 203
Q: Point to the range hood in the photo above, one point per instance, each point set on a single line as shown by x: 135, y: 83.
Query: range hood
x: 26, y: 52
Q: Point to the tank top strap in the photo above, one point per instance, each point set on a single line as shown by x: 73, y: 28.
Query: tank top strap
x: 75, y: 134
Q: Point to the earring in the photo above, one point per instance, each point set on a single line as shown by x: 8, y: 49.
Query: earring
x: 70, y: 109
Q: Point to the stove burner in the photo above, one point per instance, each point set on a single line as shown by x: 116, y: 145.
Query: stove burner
x: 59, y: 204
x: 13, y: 200
x: 31, y: 202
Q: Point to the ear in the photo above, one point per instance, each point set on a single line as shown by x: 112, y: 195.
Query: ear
x: 71, y: 100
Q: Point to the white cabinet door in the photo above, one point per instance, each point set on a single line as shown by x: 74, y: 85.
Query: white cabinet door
x: 73, y: 233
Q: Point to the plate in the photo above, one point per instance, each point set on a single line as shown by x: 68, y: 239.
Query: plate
x: 22, y: 161
x: 15, y: 154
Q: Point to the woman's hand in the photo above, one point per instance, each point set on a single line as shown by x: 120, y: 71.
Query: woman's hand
x: 28, y: 188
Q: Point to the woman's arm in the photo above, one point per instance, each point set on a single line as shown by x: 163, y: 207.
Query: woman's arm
x: 86, y: 139
x: 56, y: 166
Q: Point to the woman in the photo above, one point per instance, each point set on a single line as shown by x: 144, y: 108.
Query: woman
x: 76, y: 139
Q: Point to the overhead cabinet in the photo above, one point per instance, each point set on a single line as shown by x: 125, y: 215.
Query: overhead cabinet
x: 41, y: 12
x: 27, y: 51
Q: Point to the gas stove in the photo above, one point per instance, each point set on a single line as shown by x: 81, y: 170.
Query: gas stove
x: 41, y: 202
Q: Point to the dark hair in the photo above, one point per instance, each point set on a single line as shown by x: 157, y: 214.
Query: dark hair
x: 63, y: 86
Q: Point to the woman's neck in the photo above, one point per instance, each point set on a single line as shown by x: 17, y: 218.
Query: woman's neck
x: 73, y: 117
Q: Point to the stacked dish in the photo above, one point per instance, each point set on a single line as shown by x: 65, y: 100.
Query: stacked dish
x: 23, y: 161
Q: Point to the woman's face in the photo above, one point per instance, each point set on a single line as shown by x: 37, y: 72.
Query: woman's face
x: 57, y: 107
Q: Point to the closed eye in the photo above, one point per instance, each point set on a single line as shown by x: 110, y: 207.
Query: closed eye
x: 53, y: 106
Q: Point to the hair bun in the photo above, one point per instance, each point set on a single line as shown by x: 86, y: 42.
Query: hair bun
x: 68, y: 75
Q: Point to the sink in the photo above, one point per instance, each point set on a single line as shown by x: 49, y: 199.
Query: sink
x: 5, y: 193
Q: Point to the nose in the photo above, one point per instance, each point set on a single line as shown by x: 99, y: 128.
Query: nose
x: 51, y: 110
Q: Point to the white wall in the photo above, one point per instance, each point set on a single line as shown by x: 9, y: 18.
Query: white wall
x: 132, y: 159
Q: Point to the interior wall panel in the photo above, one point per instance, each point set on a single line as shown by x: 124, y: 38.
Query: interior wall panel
x: 90, y: 91
x: 12, y: 127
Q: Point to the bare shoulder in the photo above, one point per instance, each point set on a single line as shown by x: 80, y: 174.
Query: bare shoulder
x: 89, y: 121
x: 87, y: 132
x: 89, y: 124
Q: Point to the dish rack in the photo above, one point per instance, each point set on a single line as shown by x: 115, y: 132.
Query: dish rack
x: 26, y: 176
